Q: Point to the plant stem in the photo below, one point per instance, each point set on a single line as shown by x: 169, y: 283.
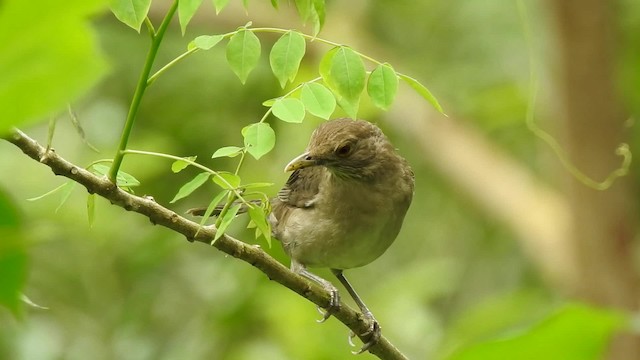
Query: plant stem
x: 139, y: 92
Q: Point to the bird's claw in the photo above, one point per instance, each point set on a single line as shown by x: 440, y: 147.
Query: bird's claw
x: 334, y: 304
x: 374, y: 333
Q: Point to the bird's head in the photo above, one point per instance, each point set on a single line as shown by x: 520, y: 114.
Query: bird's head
x: 348, y: 148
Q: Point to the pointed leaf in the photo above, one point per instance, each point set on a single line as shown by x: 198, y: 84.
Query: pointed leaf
x: 226, y: 220
x: 348, y: 74
x: 304, y: 9
x: 275, y: 4
x: 286, y: 55
x: 220, y: 5
x: 227, y: 180
x: 256, y: 185
x: 325, y: 67
x: 317, y: 15
x: 243, y: 53
x: 186, y: 10
x: 47, y: 193
x: 289, y: 110
x: 180, y: 165
x: 318, y: 100
x: 66, y: 193
x: 382, y: 86
x: 91, y: 209
x: 423, y: 91
x: 123, y: 179
x: 212, y: 205
x: 227, y: 151
x: 191, y: 186
x: 205, y: 42
x: 259, y: 139
x: 259, y: 218
x: 131, y: 12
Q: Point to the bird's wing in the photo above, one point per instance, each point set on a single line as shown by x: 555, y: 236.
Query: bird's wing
x: 302, y: 187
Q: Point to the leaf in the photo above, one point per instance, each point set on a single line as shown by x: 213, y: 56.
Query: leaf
x: 318, y: 100
x: 30, y: 302
x: 205, y: 42
x: 91, y: 209
x: 191, y: 186
x: 220, y: 5
x: 304, y: 9
x: 575, y: 332
x: 325, y: 67
x: 259, y: 139
x: 212, y: 205
x: 259, y: 218
x: 123, y: 179
x: 180, y: 165
x: 13, y: 256
x: 243, y: 53
x: 286, y: 55
x: 343, y: 71
x: 227, y: 151
x: 270, y: 102
x: 226, y: 220
x: 131, y: 12
x: 67, y: 189
x: 275, y: 4
x: 423, y: 91
x: 382, y: 86
x: 31, y: 58
x: 256, y: 185
x: 317, y: 16
x: 76, y: 125
x: 289, y: 110
x: 227, y: 180
x: 186, y: 10
x: 47, y: 193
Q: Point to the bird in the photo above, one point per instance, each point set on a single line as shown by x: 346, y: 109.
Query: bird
x: 342, y: 206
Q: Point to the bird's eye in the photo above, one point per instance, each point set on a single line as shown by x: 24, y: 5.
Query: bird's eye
x: 343, y: 150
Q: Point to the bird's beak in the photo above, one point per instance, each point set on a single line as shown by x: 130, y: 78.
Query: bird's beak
x: 302, y: 161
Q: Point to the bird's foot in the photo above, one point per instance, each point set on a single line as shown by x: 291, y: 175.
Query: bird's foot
x: 373, y: 333
x: 334, y: 304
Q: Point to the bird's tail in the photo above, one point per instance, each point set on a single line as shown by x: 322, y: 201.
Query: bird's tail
x: 216, y: 211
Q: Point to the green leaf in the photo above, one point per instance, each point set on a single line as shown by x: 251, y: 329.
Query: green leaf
x: 205, y: 42
x: 259, y: 218
x: 423, y: 91
x: 317, y: 16
x: 47, y: 193
x: 575, y: 332
x: 131, y: 12
x: 220, y: 5
x: 256, y: 185
x: 318, y: 100
x: 286, y: 55
x: 123, y: 179
x: 186, y: 10
x: 275, y: 4
x: 343, y: 71
x: 270, y: 102
x: 55, y: 45
x: 226, y: 220
x: 243, y: 53
x: 382, y: 86
x: 325, y: 67
x: 289, y: 110
x: 180, y: 165
x: 191, y: 186
x: 67, y: 189
x: 91, y: 209
x: 212, y: 205
x: 224, y: 179
x: 227, y: 151
x: 259, y: 139
x: 13, y: 256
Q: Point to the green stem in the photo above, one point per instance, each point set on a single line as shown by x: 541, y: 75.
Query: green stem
x: 139, y: 92
x: 153, y: 77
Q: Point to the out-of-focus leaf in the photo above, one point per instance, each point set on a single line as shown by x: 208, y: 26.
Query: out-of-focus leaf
x: 318, y: 100
x: 131, y: 12
x: 382, y: 86
x: 243, y: 53
x: 67, y: 189
x: 220, y: 5
x: 45, y: 43
x: 575, y: 332
x: 91, y: 208
x: 180, y: 165
x: 13, y: 257
x: 289, y: 110
x: 47, y: 193
x: 259, y: 139
x: 191, y: 186
x: 226, y: 220
x: 186, y: 10
x: 123, y: 179
x: 256, y: 185
x: 286, y: 55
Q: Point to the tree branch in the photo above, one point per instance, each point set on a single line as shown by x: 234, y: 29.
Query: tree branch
x: 159, y: 215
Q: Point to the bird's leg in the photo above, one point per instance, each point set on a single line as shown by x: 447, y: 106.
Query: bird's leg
x: 334, y: 301
x: 374, y: 329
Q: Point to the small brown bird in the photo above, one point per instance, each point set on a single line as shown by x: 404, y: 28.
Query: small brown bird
x: 343, y: 205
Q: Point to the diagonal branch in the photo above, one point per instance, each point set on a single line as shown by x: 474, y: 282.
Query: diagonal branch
x: 160, y: 215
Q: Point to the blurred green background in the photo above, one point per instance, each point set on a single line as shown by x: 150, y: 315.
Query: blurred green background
x: 480, y: 257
